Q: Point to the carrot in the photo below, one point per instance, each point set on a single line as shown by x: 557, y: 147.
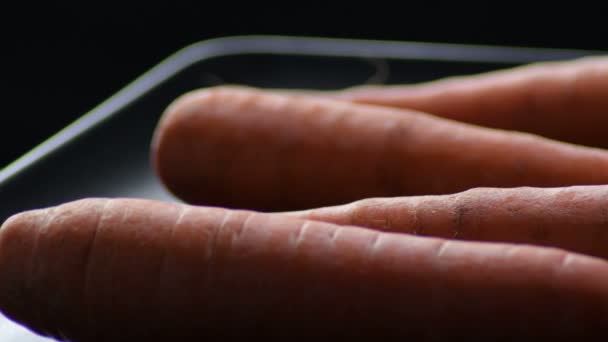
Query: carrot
x: 564, y: 101
x: 126, y: 269
x: 245, y: 148
x: 574, y: 218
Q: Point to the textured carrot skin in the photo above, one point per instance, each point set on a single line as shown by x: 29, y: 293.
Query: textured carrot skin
x: 565, y: 101
x: 573, y: 218
x: 244, y: 148
x: 114, y: 270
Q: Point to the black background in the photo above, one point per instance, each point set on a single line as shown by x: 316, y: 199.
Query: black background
x: 62, y: 60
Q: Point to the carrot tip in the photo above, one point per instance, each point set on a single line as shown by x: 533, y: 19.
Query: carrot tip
x: 14, y: 220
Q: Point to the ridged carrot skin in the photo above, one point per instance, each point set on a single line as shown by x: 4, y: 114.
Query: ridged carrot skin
x: 125, y: 269
x: 573, y: 218
x: 246, y: 148
x: 566, y: 100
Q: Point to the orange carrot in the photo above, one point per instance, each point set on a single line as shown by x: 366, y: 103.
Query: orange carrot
x: 100, y: 270
x: 574, y: 218
x: 244, y: 148
x: 565, y: 101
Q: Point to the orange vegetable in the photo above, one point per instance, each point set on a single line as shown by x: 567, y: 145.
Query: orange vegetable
x: 574, y: 218
x: 565, y: 101
x: 100, y: 270
x: 245, y: 148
